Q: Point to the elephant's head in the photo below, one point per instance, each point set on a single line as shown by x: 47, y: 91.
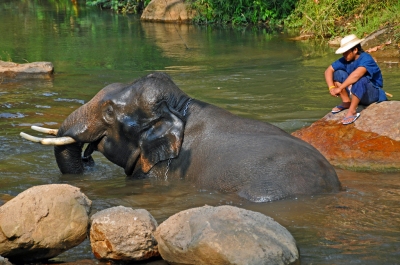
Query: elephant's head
x: 135, y: 126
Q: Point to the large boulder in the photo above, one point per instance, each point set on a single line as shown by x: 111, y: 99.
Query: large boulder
x: 372, y: 142
x: 10, y: 70
x: 42, y: 222
x: 123, y: 234
x: 224, y: 235
x: 168, y: 11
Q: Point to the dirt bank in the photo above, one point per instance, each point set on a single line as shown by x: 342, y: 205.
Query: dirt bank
x: 381, y: 44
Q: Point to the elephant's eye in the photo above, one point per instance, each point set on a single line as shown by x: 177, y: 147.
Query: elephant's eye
x: 109, y: 110
x: 109, y: 114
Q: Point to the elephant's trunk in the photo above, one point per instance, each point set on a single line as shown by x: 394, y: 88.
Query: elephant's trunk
x: 69, y: 157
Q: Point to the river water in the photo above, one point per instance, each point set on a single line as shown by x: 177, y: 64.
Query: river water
x: 254, y: 73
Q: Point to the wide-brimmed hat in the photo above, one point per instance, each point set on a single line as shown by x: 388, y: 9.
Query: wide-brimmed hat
x: 347, y: 43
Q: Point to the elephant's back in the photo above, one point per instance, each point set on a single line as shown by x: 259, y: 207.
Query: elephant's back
x: 262, y: 167
x: 216, y: 119
x: 258, y: 160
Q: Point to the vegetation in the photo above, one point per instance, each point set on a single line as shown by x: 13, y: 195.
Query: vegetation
x: 120, y: 6
x: 317, y: 18
x: 243, y: 11
x: 329, y: 18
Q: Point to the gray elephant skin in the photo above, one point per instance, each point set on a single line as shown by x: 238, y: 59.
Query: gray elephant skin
x: 152, y: 128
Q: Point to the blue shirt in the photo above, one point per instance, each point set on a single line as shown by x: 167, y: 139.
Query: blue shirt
x: 365, y: 60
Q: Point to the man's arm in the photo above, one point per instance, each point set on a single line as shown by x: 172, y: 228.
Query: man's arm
x: 351, y: 79
x: 329, y: 76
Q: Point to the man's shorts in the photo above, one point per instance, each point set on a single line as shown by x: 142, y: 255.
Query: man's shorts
x: 362, y: 89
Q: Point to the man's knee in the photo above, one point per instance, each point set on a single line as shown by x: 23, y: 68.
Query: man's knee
x: 340, y: 76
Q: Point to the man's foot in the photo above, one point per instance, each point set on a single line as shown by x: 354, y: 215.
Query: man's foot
x: 350, y: 119
x: 339, y: 108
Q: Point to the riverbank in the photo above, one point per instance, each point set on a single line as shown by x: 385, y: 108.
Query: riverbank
x: 319, y: 19
x: 384, y: 42
x: 381, y: 45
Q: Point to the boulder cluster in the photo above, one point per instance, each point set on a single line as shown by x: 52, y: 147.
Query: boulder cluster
x: 44, y: 221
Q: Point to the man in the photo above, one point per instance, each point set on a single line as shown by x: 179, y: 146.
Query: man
x: 355, y: 78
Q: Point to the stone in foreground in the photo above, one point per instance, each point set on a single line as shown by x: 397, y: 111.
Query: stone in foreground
x: 10, y: 70
x: 371, y: 143
x: 225, y: 235
x: 42, y: 222
x: 123, y: 234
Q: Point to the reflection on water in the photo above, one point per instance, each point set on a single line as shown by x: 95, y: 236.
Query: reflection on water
x: 255, y: 74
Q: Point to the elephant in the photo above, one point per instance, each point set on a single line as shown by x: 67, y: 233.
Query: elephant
x: 151, y: 128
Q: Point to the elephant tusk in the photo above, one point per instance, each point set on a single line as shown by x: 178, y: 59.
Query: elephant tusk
x: 44, y: 130
x: 48, y: 141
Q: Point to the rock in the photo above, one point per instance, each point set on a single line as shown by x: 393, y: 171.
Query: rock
x: 168, y: 11
x: 372, y: 142
x: 4, y: 261
x: 42, y: 222
x: 123, y: 234
x: 10, y: 70
x: 224, y: 235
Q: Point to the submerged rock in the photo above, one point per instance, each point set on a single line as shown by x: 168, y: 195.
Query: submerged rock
x: 42, y: 222
x: 10, y: 70
x: 168, y: 11
x: 372, y: 142
x: 224, y: 235
x: 123, y: 234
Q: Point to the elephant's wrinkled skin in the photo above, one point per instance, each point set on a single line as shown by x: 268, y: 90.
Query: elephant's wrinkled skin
x: 151, y: 127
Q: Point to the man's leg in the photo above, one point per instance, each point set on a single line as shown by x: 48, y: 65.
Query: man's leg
x: 353, y: 106
x: 339, y: 77
x: 363, y: 93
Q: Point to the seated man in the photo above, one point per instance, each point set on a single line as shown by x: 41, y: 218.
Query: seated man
x: 355, y: 77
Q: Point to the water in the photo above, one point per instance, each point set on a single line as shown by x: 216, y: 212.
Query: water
x: 253, y: 73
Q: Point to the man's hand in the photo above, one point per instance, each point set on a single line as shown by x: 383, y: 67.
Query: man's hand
x: 335, y: 92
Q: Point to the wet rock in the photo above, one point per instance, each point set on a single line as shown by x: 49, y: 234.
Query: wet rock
x: 42, y: 222
x: 371, y: 143
x: 123, y: 234
x: 224, y: 235
x: 11, y: 115
x: 168, y: 11
x: 4, y: 261
x: 10, y: 70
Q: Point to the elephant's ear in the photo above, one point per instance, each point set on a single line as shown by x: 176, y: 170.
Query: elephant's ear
x: 162, y: 140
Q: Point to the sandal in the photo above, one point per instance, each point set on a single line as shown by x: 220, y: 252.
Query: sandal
x: 340, y: 108
x: 350, y: 119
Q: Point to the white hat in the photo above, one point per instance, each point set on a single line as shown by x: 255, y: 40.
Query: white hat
x: 347, y: 43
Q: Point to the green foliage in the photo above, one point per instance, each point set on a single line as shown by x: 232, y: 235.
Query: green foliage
x: 329, y: 18
x: 6, y: 58
x: 120, y: 6
x: 241, y: 11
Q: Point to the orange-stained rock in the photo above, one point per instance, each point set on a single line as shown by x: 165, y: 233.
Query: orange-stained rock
x: 371, y: 143
x: 168, y: 11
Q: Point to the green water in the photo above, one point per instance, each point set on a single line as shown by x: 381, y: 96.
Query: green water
x: 253, y: 73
